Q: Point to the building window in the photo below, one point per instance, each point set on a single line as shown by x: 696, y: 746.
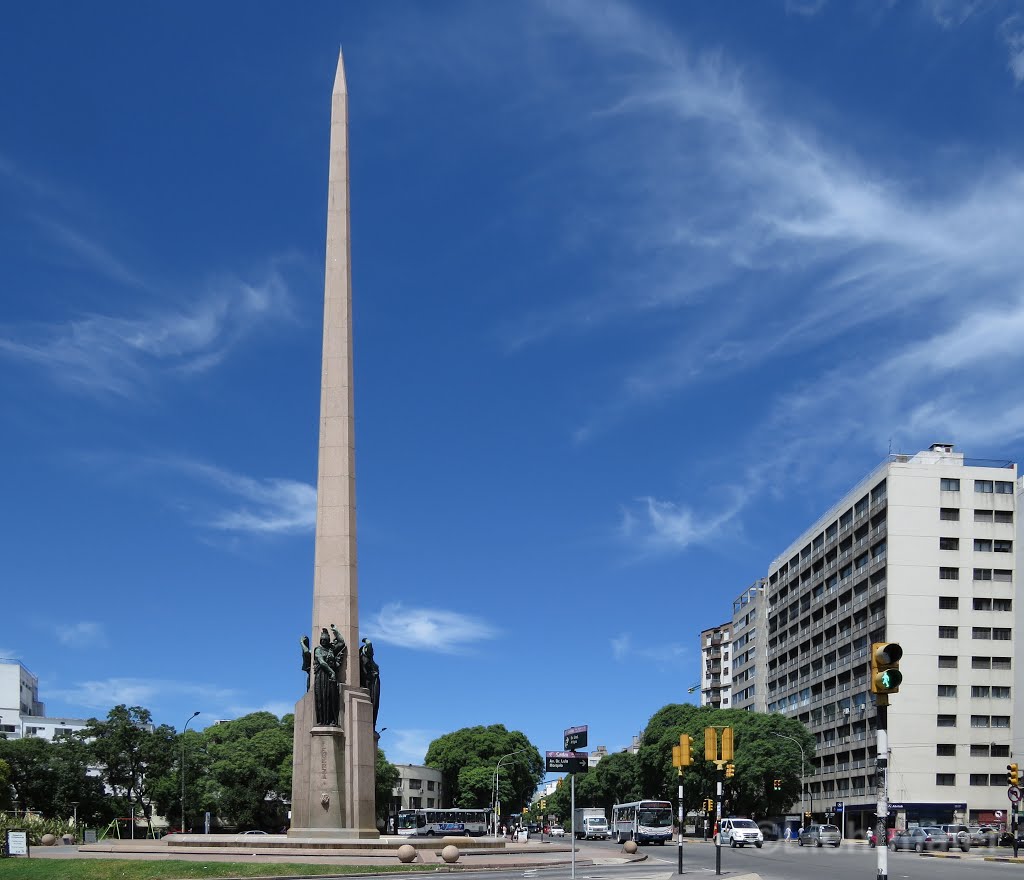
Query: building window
x: 997, y: 779
x: 62, y: 731
x: 1002, y: 575
x: 430, y: 785
x: 945, y: 750
x: 1003, y: 487
x: 1003, y: 516
x: 1002, y: 604
x: 983, y: 604
x: 983, y: 574
x: 949, y: 574
x: 981, y: 632
x: 949, y: 603
x: 979, y: 690
x: 1000, y: 662
x: 948, y: 632
x: 979, y: 721
x: 945, y: 720
x: 1000, y: 751
x: 33, y: 731
x: 947, y: 690
x: 983, y: 516
x: 947, y: 662
x: 416, y: 784
x: 1002, y: 546
x: 1000, y: 720
x: 415, y: 803
x: 999, y: 692
x: 981, y: 662
x: 950, y: 514
x: 979, y: 751
x: 983, y: 486
x: 949, y: 543
x: 946, y: 484
x: 979, y: 779
x: 983, y: 545
x: 945, y: 779
x: 1001, y: 634
x: 430, y: 802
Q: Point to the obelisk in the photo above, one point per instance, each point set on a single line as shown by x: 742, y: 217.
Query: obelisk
x: 333, y: 771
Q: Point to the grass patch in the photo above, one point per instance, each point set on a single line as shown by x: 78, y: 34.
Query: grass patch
x: 133, y: 869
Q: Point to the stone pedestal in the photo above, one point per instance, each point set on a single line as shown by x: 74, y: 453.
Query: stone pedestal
x: 333, y: 771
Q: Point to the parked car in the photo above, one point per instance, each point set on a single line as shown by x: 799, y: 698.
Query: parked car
x: 533, y: 827
x: 739, y: 832
x: 919, y: 839
x: 820, y: 835
x: 983, y: 835
x: 557, y: 831
x: 959, y: 835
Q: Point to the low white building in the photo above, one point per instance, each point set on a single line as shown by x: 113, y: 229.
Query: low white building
x: 22, y: 714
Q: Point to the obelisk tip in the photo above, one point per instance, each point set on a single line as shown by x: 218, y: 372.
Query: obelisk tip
x: 340, y: 87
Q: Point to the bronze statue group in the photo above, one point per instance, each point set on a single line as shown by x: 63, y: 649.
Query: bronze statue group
x: 326, y: 666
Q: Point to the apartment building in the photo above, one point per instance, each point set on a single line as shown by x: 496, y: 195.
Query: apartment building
x: 921, y: 552
x: 22, y: 713
x: 715, y: 678
x: 417, y: 787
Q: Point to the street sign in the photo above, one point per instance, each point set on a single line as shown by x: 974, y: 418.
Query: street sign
x: 1013, y: 793
x: 576, y: 738
x: 839, y: 807
x: 565, y: 762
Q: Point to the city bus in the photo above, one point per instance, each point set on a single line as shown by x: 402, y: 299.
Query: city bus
x: 642, y: 821
x: 430, y: 822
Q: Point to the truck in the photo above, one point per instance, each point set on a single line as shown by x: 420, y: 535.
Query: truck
x: 590, y: 823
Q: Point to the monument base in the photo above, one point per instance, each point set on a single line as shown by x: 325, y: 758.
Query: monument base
x: 333, y: 771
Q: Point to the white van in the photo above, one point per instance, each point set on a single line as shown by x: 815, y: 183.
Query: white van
x: 739, y: 832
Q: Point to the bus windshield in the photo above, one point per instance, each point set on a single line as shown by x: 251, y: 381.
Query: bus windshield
x: 408, y: 821
x: 655, y: 817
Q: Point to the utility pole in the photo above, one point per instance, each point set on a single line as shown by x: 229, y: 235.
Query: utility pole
x: 885, y: 680
x: 720, y: 758
x: 681, y: 758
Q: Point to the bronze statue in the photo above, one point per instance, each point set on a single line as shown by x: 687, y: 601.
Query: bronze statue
x: 307, y: 658
x: 369, y: 676
x: 328, y: 671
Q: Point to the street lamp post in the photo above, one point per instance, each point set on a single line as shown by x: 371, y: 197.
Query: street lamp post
x: 802, y: 783
x: 494, y: 799
x: 183, y: 770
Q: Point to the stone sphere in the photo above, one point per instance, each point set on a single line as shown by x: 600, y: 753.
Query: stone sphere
x: 48, y: 840
x: 406, y: 853
x: 450, y: 854
x: 630, y: 846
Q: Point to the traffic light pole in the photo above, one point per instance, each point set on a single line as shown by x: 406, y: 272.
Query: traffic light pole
x: 718, y: 821
x: 882, y: 781
x: 680, y: 820
x: 572, y: 798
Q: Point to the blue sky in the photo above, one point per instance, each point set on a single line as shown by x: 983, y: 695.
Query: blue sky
x: 640, y: 290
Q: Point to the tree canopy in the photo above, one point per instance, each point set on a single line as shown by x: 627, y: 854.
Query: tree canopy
x: 467, y: 759
x: 762, y: 754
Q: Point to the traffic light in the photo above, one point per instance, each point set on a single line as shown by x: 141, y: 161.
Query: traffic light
x: 1012, y: 774
x: 730, y: 770
x: 727, y: 744
x: 885, y: 667
x: 543, y: 804
x: 685, y: 747
x: 776, y: 785
x: 710, y: 744
x: 709, y: 805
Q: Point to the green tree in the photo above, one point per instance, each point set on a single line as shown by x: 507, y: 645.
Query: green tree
x: 386, y: 777
x: 129, y: 752
x: 613, y: 781
x: 5, y: 784
x: 32, y: 777
x: 243, y: 771
x: 760, y: 757
x: 482, y: 748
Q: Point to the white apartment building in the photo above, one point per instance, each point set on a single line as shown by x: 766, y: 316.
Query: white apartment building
x: 21, y: 712
x: 922, y: 553
x: 715, y: 678
x: 417, y: 787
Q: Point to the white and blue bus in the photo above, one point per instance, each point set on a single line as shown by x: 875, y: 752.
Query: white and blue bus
x: 431, y: 822
x: 642, y: 821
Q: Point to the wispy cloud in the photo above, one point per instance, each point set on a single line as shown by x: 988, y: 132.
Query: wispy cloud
x: 1012, y: 32
x: 658, y: 526
x: 83, y: 634
x: 91, y: 253
x: 428, y: 629
x: 409, y: 745
x: 101, y: 694
x: 264, y: 506
x: 807, y: 8
x: 109, y: 354
x: 661, y: 655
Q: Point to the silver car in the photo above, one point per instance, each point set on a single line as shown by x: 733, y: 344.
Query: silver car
x: 820, y: 835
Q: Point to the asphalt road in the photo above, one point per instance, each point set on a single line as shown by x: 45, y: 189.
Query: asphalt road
x: 782, y: 861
